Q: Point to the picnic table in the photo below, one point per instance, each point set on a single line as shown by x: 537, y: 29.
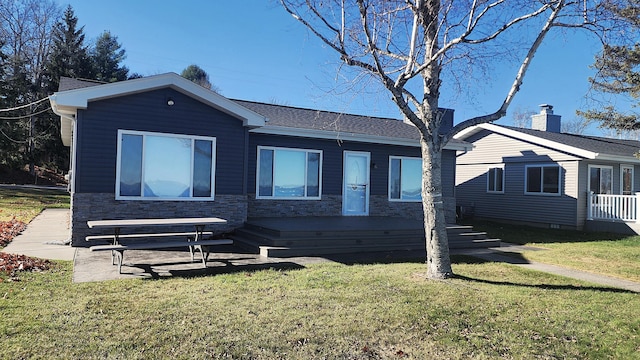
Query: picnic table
x: 193, y: 239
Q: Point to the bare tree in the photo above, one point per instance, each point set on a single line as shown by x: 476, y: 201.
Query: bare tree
x: 576, y: 126
x: 408, y: 44
x: 522, y: 118
x: 25, y: 28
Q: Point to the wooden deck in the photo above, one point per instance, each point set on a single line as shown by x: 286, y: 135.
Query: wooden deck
x: 308, y: 236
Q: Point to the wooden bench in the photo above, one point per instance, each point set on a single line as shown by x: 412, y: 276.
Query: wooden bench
x: 119, y: 249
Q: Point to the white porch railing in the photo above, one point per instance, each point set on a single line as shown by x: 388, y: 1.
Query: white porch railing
x: 613, y: 207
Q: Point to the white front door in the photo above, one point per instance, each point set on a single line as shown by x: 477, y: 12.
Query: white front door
x: 355, y: 183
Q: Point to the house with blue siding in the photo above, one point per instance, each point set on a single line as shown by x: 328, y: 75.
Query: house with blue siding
x: 543, y: 177
x: 162, y: 146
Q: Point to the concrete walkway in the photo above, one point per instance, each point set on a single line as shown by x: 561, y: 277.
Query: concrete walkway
x: 51, y: 227
x: 45, y: 237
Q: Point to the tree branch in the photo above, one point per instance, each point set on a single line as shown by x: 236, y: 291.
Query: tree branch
x: 515, y: 87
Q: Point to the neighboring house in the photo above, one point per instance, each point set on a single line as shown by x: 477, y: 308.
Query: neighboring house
x: 543, y: 177
x: 162, y: 146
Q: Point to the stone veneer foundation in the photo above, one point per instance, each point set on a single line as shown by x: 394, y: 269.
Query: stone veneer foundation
x: 101, y: 206
x: 331, y: 205
x: 234, y: 208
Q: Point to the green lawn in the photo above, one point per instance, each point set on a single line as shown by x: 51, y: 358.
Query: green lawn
x: 609, y: 254
x: 25, y: 204
x: 334, y: 311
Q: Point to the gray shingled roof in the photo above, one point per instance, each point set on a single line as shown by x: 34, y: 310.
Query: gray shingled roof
x: 71, y: 84
x: 595, y: 144
x: 301, y: 118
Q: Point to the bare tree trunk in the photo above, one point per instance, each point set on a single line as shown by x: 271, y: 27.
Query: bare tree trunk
x: 435, y: 225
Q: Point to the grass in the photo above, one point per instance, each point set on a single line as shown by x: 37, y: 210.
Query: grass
x: 329, y: 310
x: 334, y: 311
x: 25, y: 204
x: 610, y: 254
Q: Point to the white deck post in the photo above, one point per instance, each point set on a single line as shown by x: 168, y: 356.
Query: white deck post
x: 590, y: 205
x: 637, y: 207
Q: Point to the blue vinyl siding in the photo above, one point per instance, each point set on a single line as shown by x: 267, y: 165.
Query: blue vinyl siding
x: 332, y: 157
x: 98, y: 132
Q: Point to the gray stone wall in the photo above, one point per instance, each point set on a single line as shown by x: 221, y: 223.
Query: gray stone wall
x: 103, y: 206
x: 331, y: 205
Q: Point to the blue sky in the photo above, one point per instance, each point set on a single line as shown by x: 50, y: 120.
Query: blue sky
x: 254, y: 50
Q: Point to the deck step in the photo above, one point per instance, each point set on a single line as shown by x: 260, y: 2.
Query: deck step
x: 278, y: 237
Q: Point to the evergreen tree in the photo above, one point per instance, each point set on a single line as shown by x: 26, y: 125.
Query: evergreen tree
x: 69, y: 55
x: 106, y: 57
x: 196, y: 74
x: 618, y: 69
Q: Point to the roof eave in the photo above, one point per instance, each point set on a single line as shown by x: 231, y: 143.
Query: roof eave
x: 71, y: 100
x: 347, y: 136
x: 463, y: 135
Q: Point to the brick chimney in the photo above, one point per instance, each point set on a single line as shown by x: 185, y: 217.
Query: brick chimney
x: 546, y: 120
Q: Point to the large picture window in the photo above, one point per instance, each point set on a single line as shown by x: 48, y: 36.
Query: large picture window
x: 542, y: 180
x: 405, y: 178
x: 165, y: 166
x: 288, y: 173
x: 495, y: 180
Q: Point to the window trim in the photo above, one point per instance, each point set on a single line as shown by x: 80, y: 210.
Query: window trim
x: 633, y: 170
x: 542, y: 166
x: 591, y: 166
x: 392, y: 157
x: 275, y: 148
x: 489, y: 169
x: 122, y: 132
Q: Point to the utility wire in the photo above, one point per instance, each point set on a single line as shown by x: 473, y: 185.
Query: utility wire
x: 24, y: 106
x: 25, y: 116
x: 15, y: 141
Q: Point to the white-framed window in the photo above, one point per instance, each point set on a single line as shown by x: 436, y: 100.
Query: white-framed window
x: 626, y: 179
x: 495, y: 180
x: 543, y: 179
x: 158, y: 166
x: 288, y: 174
x: 601, y: 179
x: 405, y: 178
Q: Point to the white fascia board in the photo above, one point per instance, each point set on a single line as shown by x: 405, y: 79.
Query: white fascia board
x: 620, y: 159
x: 528, y: 138
x: 72, y: 100
x: 346, y: 136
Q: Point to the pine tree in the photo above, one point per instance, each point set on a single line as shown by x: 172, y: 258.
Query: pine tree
x: 106, y: 57
x: 69, y: 55
x: 618, y: 69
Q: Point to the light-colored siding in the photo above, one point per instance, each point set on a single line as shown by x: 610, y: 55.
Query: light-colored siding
x: 513, y: 205
x: 492, y: 148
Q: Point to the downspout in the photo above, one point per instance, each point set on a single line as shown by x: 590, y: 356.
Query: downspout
x: 72, y: 163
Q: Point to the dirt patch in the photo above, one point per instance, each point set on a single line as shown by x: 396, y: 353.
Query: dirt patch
x: 11, y: 264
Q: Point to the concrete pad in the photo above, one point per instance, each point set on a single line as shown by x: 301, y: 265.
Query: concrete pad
x: 46, y: 237
x: 153, y: 264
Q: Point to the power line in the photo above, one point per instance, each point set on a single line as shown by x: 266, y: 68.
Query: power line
x: 24, y: 106
x: 25, y: 116
x: 15, y: 141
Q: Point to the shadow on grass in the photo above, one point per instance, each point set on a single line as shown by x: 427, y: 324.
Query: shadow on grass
x: 228, y: 268
x: 521, y: 234
x: 546, y: 286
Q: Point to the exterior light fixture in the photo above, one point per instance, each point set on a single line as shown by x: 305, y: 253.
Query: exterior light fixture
x: 170, y: 102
